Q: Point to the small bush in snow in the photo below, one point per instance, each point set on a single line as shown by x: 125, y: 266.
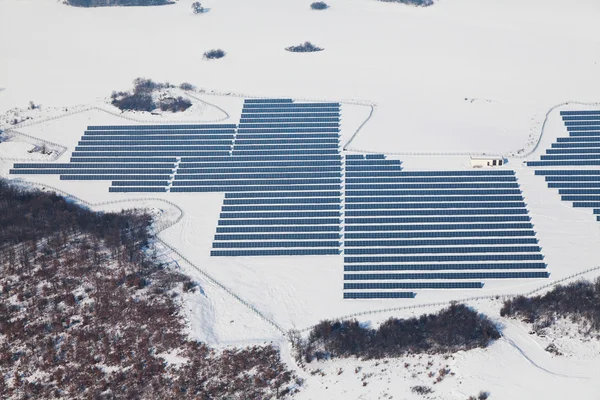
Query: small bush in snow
x: 197, y: 8
x: 422, y: 390
x: 483, y: 395
x: 186, y: 86
x: 214, y: 54
x: 319, y: 5
x: 306, y: 47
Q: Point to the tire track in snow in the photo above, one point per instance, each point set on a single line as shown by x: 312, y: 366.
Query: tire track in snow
x: 513, y: 343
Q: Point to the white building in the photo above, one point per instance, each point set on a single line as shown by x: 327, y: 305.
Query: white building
x: 486, y: 161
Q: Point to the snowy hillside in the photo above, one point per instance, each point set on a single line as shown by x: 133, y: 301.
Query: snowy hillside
x: 427, y: 86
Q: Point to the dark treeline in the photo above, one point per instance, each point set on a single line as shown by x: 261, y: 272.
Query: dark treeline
x: 420, y: 3
x: 30, y: 216
x: 454, y: 328
x: 109, y: 3
x: 85, y: 313
x: 579, y: 301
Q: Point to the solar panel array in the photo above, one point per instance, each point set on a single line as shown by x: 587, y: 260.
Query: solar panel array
x: 288, y: 191
x: 282, y: 183
x: 433, y: 229
x: 138, y: 158
x: 563, y: 160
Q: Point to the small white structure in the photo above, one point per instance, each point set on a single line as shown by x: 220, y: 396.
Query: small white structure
x: 486, y: 161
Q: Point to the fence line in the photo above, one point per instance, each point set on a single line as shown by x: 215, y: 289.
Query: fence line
x: 163, y: 226
x: 60, y: 149
x: 229, y: 291
x: 227, y: 116
x: 513, y: 154
x: 213, y: 92
x: 121, y: 115
x: 448, y: 302
x: 160, y: 228
x: 527, y: 154
x: 345, y: 147
x: 436, y: 154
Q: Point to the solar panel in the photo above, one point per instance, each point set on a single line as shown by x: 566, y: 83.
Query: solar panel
x: 439, y: 242
x: 270, y: 244
x: 379, y: 295
x: 288, y: 221
x: 451, y: 275
x: 391, y: 205
x: 275, y: 252
x: 476, y: 211
x: 442, y: 250
x: 445, y: 258
x: 278, y: 236
x: 438, y: 234
x: 278, y: 228
x: 442, y: 267
x: 437, y: 227
x: 413, y: 285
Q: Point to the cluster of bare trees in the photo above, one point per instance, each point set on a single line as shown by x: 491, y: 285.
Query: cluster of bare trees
x: 578, y: 301
x: 455, y: 328
x: 141, y: 98
x: 85, y: 312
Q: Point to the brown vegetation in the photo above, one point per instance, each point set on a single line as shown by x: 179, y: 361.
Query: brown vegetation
x: 85, y: 313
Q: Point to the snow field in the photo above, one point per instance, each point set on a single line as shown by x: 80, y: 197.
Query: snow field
x: 463, y: 76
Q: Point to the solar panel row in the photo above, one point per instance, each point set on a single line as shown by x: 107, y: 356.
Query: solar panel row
x: 290, y: 119
x: 162, y: 127
x: 291, y: 114
x: 168, y: 143
x: 438, y: 234
x: 159, y: 132
x: 413, y: 285
x: 289, y: 104
x: 439, y: 242
x: 435, y: 227
x: 256, y: 124
x: 445, y: 258
x: 442, y: 267
x: 429, y: 192
x: 275, y: 252
x: 450, y: 275
x: 132, y: 189
x: 381, y: 188
x: 379, y: 295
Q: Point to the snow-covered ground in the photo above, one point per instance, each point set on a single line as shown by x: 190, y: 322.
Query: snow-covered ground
x: 462, y: 76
